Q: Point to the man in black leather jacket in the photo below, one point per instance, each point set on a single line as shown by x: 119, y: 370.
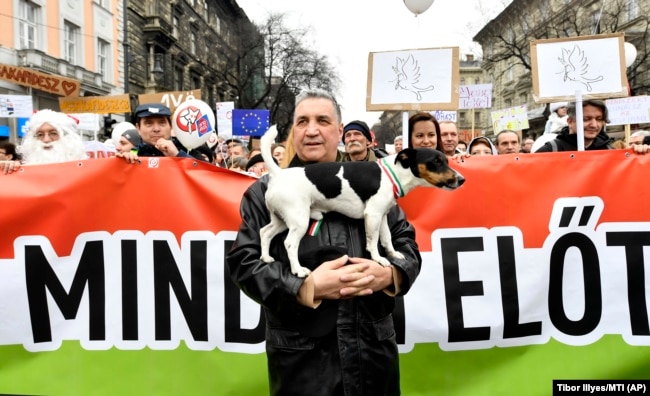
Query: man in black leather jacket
x: 330, y: 333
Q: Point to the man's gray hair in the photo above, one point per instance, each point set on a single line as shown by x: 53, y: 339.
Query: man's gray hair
x: 640, y: 133
x: 316, y: 93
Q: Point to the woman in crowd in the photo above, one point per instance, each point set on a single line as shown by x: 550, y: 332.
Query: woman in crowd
x: 424, y: 131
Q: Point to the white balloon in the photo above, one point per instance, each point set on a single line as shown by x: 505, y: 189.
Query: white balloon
x: 193, y: 123
x: 630, y: 53
x: 119, y: 129
x: 417, y: 7
x: 213, y: 139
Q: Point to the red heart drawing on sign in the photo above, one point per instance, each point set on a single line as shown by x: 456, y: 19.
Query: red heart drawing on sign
x: 68, y: 87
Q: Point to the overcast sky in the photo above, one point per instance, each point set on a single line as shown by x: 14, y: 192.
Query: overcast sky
x: 348, y: 30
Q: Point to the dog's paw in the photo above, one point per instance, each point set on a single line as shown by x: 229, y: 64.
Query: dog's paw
x: 397, y: 256
x: 383, y: 261
x: 301, y: 272
x: 267, y: 259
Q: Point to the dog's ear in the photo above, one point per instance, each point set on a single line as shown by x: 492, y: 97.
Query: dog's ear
x: 406, y: 157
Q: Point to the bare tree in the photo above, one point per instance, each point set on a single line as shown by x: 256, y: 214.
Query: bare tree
x: 270, y: 65
x: 506, y: 39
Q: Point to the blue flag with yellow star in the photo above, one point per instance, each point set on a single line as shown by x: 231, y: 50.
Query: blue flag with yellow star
x: 250, y: 122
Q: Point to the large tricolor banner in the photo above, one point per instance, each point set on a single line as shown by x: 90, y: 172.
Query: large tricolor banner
x: 112, y: 279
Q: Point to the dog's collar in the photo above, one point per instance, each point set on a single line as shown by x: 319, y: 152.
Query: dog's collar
x: 398, y: 191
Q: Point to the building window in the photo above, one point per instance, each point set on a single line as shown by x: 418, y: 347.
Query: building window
x: 462, y: 81
x: 545, y: 9
x: 510, y: 72
x: 477, y: 117
x: 196, y: 82
x: 103, y: 56
x: 175, y: 25
x: 595, y: 23
x: 28, y: 24
x: 477, y: 80
x: 193, y: 43
x: 103, y: 3
x: 206, y: 10
x: 461, y: 116
x: 523, y: 98
x: 70, y: 42
x: 632, y: 8
x: 178, y: 79
x: 508, y: 103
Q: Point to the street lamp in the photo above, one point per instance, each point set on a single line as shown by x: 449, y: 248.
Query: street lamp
x: 157, y: 71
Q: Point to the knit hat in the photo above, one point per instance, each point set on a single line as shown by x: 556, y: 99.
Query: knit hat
x: 256, y: 159
x: 132, y: 136
x: 485, y: 140
x: 558, y: 105
x: 357, y: 126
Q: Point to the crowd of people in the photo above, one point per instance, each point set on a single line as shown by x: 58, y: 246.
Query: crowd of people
x: 53, y: 137
x: 331, y: 332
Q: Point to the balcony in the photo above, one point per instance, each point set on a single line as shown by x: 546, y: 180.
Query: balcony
x: 39, y: 60
x: 157, y: 30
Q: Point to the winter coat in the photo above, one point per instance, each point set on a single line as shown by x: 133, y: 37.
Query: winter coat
x: 149, y: 150
x: 555, y: 123
x: 343, y: 347
x: 565, y: 141
x: 373, y: 155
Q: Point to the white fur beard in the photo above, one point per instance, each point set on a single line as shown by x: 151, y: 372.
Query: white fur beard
x: 64, y: 149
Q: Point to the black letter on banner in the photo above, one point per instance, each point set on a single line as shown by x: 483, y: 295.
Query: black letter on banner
x: 455, y: 289
x: 232, y: 311
x: 129, y: 290
x: 634, y: 243
x: 166, y: 273
x: 40, y: 277
x: 591, y: 275
x: 509, y: 294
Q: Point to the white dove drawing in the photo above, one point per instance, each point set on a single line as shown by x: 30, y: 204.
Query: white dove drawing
x: 576, y: 67
x: 408, y: 76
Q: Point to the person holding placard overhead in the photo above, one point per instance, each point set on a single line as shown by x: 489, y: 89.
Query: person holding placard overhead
x: 594, y: 116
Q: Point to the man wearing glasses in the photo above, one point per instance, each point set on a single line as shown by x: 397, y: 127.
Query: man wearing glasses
x: 51, y: 137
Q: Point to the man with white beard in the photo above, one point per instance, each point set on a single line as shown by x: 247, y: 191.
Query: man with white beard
x: 358, y: 143
x: 51, y: 137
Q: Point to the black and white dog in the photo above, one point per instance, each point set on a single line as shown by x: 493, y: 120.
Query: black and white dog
x: 355, y: 189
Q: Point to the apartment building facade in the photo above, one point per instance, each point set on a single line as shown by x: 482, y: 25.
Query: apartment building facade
x: 505, y: 43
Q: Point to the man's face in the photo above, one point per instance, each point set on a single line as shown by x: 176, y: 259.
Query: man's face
x: 508, y: 143
x: 593, y: 122
x: 528, y: 145
x: 235, y: 151
x: 153, y: 128
x: 355, y: 142
x: 46, y: 146
x: 47, y: 134
x: 398, y: 146
x: 636, y: 139
x: 316, y: 130
x: 123, y: 146
x: 449, y: 136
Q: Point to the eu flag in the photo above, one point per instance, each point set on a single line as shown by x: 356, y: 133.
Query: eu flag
x: 249, y: 122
